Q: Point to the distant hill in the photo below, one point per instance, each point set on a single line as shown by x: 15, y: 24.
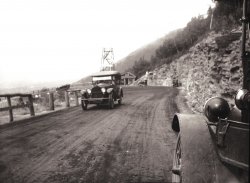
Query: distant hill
x: 145, y: 52
x: 81, y: 83
x: 28, y: 87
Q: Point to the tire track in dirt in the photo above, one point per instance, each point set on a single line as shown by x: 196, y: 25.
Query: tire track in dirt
x: 100, y: 167
x: 49, y: 144
x: 63, y: 146
x: 117, y: 154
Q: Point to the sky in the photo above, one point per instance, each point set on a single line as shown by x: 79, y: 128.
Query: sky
x: 62, y: 40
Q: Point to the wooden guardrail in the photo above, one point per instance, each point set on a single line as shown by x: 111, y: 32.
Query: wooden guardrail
x: 10, y: 107
x: 67, y: 97
x: 30, y: 102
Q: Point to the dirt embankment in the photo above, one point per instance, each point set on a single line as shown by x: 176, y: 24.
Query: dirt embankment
x: 210, y: 68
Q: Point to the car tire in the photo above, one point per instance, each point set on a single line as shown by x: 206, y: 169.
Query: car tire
x: 84, y: 105
x: 111, y: 101
x: 176, y: 174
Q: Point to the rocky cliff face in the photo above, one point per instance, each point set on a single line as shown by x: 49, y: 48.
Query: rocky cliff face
x: 210, y: 68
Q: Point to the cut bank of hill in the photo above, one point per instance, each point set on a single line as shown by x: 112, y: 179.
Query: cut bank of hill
x: 210, y: 68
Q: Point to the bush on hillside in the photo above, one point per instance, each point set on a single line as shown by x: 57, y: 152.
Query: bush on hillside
x: 227, y: 15
x: 140, y: 67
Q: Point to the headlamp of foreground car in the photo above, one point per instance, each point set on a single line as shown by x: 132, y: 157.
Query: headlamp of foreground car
x: 103, y: 90
x: 216, y: 108
x: 242, y: 99
x: 89, y: 91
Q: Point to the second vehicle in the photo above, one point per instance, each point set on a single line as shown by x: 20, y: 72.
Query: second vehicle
x: 105, y: 90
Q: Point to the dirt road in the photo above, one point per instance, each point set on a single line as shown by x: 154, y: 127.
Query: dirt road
x: 131, y: 143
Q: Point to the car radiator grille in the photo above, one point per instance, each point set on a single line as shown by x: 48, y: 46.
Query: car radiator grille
x: 97, y: 95
x: 96, y: 89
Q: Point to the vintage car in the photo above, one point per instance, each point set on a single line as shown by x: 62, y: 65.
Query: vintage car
x: 105, y: 90
x: 214, y: 147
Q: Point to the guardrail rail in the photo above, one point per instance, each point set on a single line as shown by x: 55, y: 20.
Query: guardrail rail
x: 10, y: 107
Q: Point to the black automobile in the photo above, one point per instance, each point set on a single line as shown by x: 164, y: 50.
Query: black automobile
x: 105, y: 90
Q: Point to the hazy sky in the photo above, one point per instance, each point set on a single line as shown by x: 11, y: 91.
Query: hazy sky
x: 59, y: 40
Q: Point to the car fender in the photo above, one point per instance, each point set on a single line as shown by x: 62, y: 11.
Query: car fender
x: 199, y: 159
x: 84, y: 94
x: 120, y: 92
x: 196, y: 148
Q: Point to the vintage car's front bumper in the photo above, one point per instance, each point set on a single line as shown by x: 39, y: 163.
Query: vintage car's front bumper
x: 96, y: 100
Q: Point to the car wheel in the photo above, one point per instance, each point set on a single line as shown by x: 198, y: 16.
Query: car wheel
x: 84, y: 105
x: 111, y: 101
x: 176, y: 170
x: 120, y: 101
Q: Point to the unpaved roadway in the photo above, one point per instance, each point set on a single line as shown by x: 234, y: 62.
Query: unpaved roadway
x: 132, y: 143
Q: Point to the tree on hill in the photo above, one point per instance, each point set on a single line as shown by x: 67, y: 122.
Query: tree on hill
x: 140, y: 67
x: 183, y: 40
x: 226, y: 15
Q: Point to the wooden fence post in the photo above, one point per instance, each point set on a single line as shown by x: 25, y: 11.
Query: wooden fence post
x: 67, y: 98
x: 31, y: 107
x: 76, y: 98
x: 51, y: 101
x: 10, y: 109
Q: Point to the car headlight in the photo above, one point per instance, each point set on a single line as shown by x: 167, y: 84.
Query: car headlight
x: 215, y: 108
x: 242, y: 99
x: 109, y: 90
x: 103, y: 90
x: 89, y: 91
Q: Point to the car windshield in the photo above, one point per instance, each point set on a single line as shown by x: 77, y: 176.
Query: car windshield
x: 102, y: 81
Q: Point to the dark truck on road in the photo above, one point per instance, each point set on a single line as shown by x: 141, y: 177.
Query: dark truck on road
x: 105, y: 90
x: 214, y: 147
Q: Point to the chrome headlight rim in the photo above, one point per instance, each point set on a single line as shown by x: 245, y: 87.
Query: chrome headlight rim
x: 241, y: 99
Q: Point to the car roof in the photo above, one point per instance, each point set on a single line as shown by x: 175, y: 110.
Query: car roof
x: 106, y: 73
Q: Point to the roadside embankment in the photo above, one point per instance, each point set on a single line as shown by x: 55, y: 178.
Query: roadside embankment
x: 210, y: 68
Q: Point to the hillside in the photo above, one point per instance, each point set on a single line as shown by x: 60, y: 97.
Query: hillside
x: 206, y: 63
x: 145, y: 52
x: 204, y: 57
x: 210, y: 68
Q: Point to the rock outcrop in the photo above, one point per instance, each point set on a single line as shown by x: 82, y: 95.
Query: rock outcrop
x: 210, y: 68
